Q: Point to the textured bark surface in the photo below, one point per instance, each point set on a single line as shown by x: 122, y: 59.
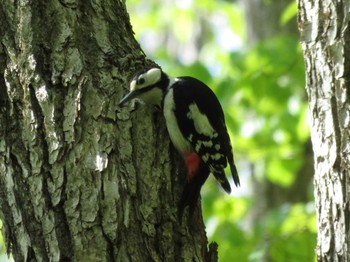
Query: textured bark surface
x: 325, y: 36
x: 82, y: 180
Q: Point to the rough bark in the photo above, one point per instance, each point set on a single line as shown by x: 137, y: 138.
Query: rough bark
x: 82, y: 180
x: 325, y: 37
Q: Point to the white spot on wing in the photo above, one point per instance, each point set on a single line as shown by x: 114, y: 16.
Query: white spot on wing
x: 200, y: 143
x: 201, y: 122
x: 217, y: 156
x: 207, y: 143
x: 205, y: 157
x: 190, y: 137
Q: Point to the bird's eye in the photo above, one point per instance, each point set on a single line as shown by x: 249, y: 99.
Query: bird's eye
x: 141, y: 81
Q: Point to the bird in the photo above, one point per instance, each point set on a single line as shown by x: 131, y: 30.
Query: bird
x: 196, y: 125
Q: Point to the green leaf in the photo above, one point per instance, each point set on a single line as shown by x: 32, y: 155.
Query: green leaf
x: 289, y: 12
x: 282, y: 171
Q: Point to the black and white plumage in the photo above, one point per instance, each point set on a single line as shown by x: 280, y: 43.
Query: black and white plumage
x: 196, y: 126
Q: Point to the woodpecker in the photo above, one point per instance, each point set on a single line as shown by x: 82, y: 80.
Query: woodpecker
x: 196, y: 126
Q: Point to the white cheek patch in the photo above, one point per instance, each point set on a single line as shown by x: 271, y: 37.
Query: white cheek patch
x: 201, y: 122
x: 152, y: 76
x: 153, y: 96
x: 133, y: 85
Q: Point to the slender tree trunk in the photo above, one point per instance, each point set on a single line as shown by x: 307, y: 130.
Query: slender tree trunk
x: 80, y: 179
x: 262, y: 19
x: 325, y: 35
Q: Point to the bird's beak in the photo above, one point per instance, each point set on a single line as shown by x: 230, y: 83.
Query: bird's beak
x: 128, y: 97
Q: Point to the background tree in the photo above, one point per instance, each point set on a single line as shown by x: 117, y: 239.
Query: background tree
x: 264, y: 27
x: 80, y: 179
x: 325, y: 36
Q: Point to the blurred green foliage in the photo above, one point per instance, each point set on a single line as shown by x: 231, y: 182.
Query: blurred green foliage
x: 3, y: 252
x: 261, y: 89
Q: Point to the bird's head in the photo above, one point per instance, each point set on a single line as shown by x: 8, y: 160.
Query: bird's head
x: 149, y: 86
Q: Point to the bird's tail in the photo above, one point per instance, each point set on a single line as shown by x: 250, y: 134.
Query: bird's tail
x: 234, y: 172
x: 229, y: 154
x: 221, y: 178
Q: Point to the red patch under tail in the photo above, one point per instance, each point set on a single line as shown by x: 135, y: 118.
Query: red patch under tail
x: 192, y: 163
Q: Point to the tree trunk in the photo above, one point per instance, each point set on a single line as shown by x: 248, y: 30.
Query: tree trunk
x: 325, y: 36
x: 262, y: 19
x: 82, y: 180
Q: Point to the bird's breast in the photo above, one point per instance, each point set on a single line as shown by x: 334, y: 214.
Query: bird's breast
x: 176, y: 136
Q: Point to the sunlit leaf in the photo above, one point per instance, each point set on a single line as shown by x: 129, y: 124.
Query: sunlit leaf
x: 289, y: 12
